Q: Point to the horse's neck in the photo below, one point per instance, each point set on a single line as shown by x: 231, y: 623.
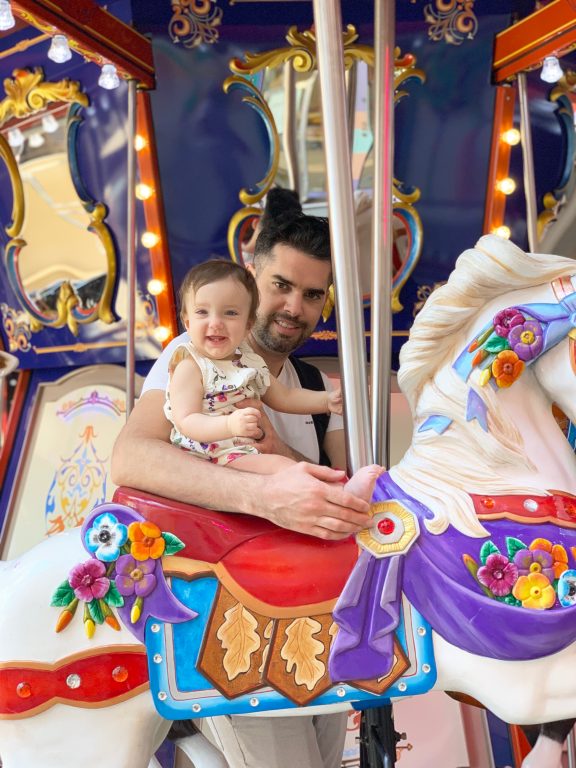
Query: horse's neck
x: 544, y: 444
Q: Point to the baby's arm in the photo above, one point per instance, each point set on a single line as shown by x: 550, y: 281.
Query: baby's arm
x: 186, y: 394
x: 294, y: 400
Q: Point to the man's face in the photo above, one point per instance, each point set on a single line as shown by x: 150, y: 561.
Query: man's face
x: 293, y: 288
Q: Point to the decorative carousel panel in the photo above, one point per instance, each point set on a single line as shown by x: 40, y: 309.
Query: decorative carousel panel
x: 64, y: 465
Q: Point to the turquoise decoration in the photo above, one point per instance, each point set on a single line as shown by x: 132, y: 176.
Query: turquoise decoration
x: 567, y: 588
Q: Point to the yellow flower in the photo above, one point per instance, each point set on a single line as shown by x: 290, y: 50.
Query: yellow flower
x: 559, y: 555
x: 534, y: 591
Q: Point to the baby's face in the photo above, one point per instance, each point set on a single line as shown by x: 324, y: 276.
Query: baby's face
x: 217, y: 318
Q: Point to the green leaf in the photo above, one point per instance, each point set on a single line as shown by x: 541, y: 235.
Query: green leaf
x: 173, y: 544
x: 514, y: 545
x: 63, y: 595
x: 96, y: 612
x: 496, y: 344
x: 113, y: 597
x: 488, y: 548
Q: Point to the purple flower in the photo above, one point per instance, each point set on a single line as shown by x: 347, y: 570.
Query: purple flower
x: 498, y: 575
x: 88, y: 580
x: 135, y: 577
x: 507, y: 319
x: 535, y: 561
x: 526, y: 339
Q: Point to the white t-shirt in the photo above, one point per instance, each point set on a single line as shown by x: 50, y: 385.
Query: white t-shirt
x: 295, y: 430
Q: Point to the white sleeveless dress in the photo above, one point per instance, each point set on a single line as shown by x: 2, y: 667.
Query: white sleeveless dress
x: 225, y: 382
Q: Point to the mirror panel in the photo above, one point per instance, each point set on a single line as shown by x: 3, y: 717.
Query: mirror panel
x: 66, y: 279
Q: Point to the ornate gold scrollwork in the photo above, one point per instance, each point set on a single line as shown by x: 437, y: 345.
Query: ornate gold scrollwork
x: 27, y: 94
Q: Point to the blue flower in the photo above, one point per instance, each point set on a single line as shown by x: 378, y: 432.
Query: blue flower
x: 106, y: 537
x: 567, y: 588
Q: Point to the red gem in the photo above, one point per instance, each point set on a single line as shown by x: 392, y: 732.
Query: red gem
x: 24, y: 690
x: 488, y: 502
x: 386, y: 526
x: 119, y: 674
x: 570, y: 510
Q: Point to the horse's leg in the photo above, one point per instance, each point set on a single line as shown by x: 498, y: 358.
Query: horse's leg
x: 547, y: 752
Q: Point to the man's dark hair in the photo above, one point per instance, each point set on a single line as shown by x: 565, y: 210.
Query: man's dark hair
x: 309, y: 234
x: 282, y: 205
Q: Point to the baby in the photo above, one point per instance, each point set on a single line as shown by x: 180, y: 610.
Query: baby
x: 217, y: 369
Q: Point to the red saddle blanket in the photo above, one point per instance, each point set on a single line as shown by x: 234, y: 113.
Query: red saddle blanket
x: 274, y: 565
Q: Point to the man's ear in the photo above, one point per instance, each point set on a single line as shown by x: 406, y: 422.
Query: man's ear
x: 250, y: 267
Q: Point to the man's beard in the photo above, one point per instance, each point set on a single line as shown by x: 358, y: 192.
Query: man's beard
x: 272, y: 341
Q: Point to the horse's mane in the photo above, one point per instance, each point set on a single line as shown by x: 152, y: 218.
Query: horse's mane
x: 439, y: 469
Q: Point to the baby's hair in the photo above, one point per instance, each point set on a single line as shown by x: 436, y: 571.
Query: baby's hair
x: 212, y: 272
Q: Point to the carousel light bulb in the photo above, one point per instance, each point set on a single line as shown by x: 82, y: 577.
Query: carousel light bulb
x: 143, y: 191
x: 502, y: 231
x: 161, y: 333
x: 150, y: 239
x: 511, y: 137
x: 6, y: 16
x: 156, y: 287
x: 551, y: 70
x: 139, y: 142
x: 109, y: 77
x: 507, y: 186
x: 49, y: 124
x: 59, y: 50
x: 36, y: 140
x: 15, y: 137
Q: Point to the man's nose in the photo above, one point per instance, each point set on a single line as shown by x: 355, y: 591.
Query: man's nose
x: 293, y: 304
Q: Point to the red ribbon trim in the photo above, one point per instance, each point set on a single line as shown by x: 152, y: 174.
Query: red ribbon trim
x: 46, y: 684
x: 559, y: 508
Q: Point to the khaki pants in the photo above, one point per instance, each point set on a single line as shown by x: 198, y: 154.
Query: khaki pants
x: 279, y: 742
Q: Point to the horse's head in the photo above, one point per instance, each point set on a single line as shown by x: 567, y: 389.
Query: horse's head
x: 488, y: 353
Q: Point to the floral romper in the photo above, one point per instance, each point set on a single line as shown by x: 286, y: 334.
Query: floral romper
x: 226, y: 382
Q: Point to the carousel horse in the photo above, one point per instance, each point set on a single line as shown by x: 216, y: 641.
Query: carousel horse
x: 466, y: 580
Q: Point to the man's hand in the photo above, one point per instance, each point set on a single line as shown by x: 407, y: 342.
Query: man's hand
x: 245, y: 423
x: 311, y: 499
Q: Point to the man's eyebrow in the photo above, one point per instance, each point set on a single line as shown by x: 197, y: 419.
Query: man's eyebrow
x: 293, y: 285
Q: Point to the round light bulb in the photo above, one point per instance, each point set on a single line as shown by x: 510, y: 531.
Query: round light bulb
x: 511, y: 137
x: 139, y: 142
x: 6, y: 16
x: 551, y: 70
x: 15, y: 137
x: 109, y: 77
x: 155, y: 287
x: 49, y: 123
x: 502, y: 231
x: 150, y: 239
x: 161, y: 333
x: 507, y: 186
x: 59, y: 49
x: 36, y: 140
x: 143, y: 191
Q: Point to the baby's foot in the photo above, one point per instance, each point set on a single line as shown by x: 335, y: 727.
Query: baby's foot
x: 362, y: 482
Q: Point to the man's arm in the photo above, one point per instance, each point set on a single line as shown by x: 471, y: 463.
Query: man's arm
x: 303, y: 498
x: 335, y: 448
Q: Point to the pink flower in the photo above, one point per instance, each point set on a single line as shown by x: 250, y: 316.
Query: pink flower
x: 507, y: 319
x: 498, y: 575
x: 88, y: 580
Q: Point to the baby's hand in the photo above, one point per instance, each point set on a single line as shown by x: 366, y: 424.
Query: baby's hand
x: 245, y: 422
x: 335, y: 401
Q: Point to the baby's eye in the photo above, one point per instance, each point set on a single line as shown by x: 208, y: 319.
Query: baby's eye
x: 232, y: 313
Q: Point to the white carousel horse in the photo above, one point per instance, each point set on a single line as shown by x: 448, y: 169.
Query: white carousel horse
x: 488, y: 469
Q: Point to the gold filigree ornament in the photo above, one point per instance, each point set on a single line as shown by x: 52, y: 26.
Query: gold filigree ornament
x: 452, y: 21
x: 239, y: 637
x: 194, y: 22
x: 393, y: 531
x: 300, y: 652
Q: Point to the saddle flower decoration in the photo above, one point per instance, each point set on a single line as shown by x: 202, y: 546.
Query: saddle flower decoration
x: 537, y: 576
x: 125, y: 570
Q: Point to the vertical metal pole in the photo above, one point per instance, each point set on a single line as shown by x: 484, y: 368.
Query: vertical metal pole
x: 131, y: 250
x: 528, y: 164
x: 382, y: 232
x: 328, y: 26
x: 289, y: 127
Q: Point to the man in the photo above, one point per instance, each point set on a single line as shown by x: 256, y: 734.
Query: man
x: 293, y: 271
